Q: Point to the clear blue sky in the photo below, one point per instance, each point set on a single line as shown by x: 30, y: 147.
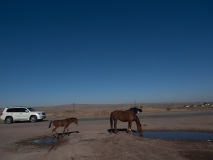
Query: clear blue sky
x: 103, y: 51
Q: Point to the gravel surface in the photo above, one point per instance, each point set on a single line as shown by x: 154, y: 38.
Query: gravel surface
x: 91, y: 139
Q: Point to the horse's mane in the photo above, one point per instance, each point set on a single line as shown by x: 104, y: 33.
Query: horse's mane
x: 71, y: 118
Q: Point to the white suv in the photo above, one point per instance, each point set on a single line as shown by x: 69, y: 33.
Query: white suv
x: 12, y: 114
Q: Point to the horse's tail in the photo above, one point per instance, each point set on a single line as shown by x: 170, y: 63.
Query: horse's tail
x: 111, y: 120
x: 50, y: 124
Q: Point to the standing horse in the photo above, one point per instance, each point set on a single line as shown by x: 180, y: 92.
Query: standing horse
x: 125, y: 116
x: 63, y: 123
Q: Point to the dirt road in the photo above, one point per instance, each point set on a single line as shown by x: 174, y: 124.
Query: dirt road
x: 94, y: 142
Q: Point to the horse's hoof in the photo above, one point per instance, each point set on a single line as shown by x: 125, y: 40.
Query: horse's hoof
x: 55, y: 136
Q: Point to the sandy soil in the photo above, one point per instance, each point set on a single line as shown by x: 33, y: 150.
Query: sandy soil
x: 95, y: 142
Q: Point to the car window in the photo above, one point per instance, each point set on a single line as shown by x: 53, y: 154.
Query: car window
x: 16, y: 110
x: 19, y: 109
x: 22, y: 109
x: 10, y: 110
x: 31, y: 109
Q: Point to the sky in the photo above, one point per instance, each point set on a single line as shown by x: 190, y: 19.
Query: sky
x: 105, y: 52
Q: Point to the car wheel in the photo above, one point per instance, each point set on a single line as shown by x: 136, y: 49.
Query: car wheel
x: 33, y: 118
x: 9, y: 120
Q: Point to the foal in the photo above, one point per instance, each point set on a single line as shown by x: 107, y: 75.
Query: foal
x: 63, y: 123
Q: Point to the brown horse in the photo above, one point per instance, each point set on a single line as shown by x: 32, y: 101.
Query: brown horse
x: 125, y: 116
x: 63, y: 123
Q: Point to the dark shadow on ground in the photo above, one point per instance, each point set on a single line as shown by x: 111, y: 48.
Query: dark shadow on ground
x: 120, y: 130
x: 58, y: 135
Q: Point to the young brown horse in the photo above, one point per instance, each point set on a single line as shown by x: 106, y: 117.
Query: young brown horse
x: 63, y: 123
x: 125, y: 116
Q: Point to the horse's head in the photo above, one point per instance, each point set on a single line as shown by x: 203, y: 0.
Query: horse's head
x: 135, y: 110
x: 76, y: 121
x: 140, y: 130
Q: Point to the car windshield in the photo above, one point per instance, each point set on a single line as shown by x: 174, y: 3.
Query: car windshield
x: 31, y: 109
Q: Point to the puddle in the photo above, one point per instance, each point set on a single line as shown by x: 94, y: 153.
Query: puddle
x: 178, y: 135
x: 48, y: 140
x: 53, y: 139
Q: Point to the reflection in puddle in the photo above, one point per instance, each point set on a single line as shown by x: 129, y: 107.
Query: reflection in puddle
x: 48, y: 140
x: 177, y: 135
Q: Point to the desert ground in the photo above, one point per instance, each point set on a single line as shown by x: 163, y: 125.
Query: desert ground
x: 91, y: 139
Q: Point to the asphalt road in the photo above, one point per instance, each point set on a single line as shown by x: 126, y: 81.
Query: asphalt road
x: 167, y: 115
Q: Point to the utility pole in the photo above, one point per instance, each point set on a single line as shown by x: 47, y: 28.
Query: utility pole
x: 73, y: 107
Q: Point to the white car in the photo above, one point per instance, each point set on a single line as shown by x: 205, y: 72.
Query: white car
x: 12, y: 114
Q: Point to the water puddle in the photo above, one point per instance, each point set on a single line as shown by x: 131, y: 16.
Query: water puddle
x: 54, y: 139
x: 177, y: 135
x: 49, y: 140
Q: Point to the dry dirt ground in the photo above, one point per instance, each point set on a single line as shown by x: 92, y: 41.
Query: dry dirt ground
x: 94, y: 142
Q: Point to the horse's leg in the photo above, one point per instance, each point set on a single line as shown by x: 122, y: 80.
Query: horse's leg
x: 115, y: 126
x: 54, y: 130
x: 129, y: 127
x: 68, y: 131
x: 65, y: 127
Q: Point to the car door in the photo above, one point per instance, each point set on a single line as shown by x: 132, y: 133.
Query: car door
x: 16, y: 114
x: 24, y: 114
